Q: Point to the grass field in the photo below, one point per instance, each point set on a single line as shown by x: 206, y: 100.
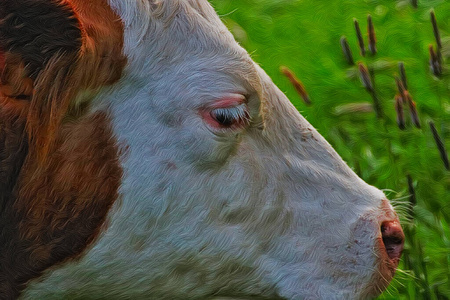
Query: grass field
x: 304, y: 35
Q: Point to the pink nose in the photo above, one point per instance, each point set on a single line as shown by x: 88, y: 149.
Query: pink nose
x: 393, y: 239
x: 388, y: 249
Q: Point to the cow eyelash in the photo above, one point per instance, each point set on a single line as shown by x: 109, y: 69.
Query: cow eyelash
x: 231, y: 116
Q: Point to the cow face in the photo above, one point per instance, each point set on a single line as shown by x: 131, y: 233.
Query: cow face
x: 161, y: 162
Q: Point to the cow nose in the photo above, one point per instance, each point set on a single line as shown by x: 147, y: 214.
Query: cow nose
x: 393, y: 239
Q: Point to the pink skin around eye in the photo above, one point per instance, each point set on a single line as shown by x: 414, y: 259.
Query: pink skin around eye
x: 231, y: 100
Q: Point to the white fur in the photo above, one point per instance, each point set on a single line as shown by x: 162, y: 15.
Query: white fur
x: 270, y: 210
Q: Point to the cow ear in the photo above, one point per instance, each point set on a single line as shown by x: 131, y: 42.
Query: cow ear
x: 40, y: 41
x: 51, y: 51
x: 34, y: 31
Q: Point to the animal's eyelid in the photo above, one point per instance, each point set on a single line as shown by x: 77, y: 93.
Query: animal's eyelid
x: 239, y: 111
x: 239, y: 107
x: 229, y: 110
x: 231, y: 116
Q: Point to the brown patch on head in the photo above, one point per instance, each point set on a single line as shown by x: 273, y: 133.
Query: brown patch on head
x: 60, y: 207
x: 60, y: 166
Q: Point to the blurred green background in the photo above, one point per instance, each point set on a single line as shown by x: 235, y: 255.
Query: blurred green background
x: 304, y: 35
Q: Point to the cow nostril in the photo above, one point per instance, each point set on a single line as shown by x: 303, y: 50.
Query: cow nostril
x: 393, y: 238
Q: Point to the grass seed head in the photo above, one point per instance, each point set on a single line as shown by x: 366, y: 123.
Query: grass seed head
x: 346, y: 50
x: 360, y: 38
x: 440, y: 145
x: 437, y: 36
x: 399, y: 111
x: 354, y: 108
x: 401, y: 88
x: 298, y: 85
x: 412, y: 109
x: 364, y: 76
x: 435, y: 64
x: 401, y: 68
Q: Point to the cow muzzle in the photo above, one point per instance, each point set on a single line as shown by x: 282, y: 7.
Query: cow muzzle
x: 388, y: 249
x: 392, y: 239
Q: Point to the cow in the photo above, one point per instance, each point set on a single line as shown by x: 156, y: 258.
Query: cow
x: 144, y: 155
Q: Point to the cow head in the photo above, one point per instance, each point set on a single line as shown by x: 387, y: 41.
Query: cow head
x: 145, y: 155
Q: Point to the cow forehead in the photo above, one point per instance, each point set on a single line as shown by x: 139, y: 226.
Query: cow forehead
x: 158, y: 29
x: 165, y: 10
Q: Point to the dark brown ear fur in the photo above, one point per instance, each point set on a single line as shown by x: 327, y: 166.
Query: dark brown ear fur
x: 37, y: 30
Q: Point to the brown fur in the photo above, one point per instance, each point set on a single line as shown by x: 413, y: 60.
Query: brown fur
x: 59, y: 166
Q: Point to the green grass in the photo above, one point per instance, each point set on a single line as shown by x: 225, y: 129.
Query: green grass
x: 304, y: 36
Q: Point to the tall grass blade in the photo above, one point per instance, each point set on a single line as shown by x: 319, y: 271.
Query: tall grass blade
x: 371, y: 35
x: 412, y: 191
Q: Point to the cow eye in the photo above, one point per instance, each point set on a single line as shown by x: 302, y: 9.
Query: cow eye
x: 231, y: 116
